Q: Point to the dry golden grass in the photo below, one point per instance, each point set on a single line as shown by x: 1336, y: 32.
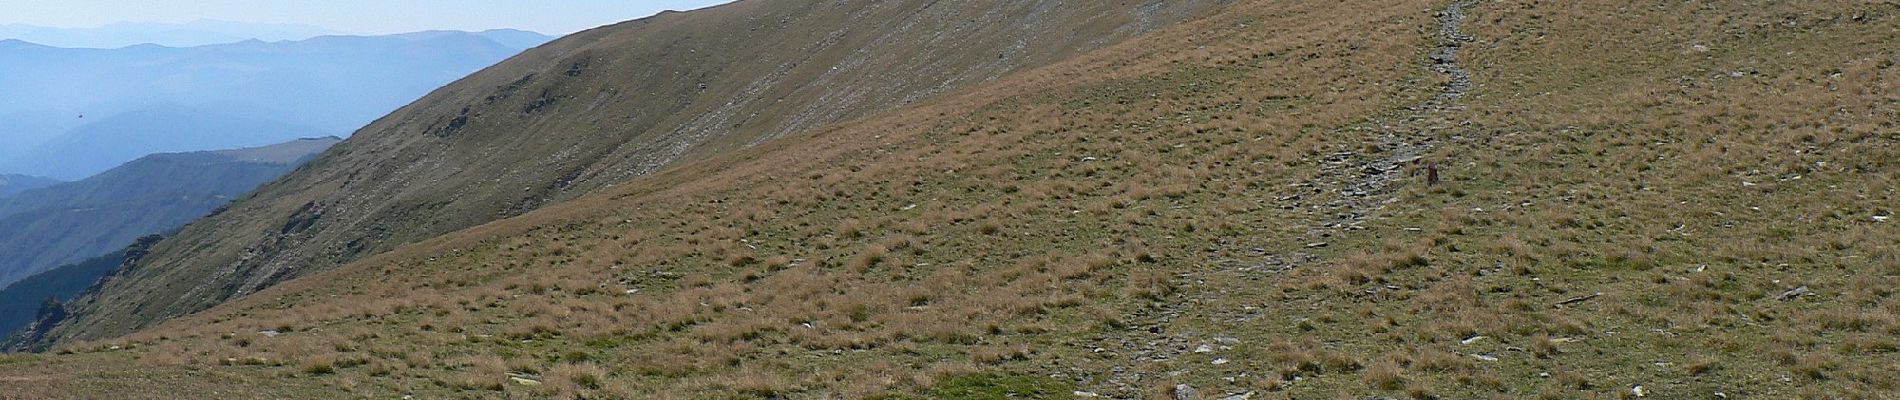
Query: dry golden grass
x: 1593, y: 232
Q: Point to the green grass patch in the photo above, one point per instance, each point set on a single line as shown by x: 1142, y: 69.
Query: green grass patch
x: 995, y: 386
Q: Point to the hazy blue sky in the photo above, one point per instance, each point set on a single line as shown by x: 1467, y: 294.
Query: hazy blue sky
x: 554, y: 17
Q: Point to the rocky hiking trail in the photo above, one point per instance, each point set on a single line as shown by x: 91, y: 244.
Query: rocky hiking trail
x: 1353, y: 187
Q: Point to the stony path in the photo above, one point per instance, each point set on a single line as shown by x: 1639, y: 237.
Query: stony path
x: 1403, y: 140
x: 1353, y: 187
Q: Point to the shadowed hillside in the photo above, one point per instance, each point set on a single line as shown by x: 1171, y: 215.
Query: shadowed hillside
x: 74, y: 221
x: 21, y: 302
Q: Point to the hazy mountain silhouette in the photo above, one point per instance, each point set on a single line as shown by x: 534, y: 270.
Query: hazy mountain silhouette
x: 75, y: 112
x: 195, y: 33
x: 158, y: 129
x: 14, y: 183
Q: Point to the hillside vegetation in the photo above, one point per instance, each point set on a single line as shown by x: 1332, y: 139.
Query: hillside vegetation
x: 1681, y: 200
x: 592, y: 110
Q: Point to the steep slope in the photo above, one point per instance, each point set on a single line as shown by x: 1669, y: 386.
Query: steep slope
x: 594, y: 109
x: 69, y: 222
x: 11, y: 184
x: 1681, y: 200
x: 326, y: 85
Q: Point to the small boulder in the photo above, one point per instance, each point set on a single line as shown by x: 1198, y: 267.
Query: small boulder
x: 1792, y: 294
x: 1184, y: 392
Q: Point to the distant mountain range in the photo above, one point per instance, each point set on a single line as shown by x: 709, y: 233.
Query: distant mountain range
x: 70, y: 113
x: 69, y: 222
x: 13, y: 183
x: 195, y: 33
x: 160, y: 128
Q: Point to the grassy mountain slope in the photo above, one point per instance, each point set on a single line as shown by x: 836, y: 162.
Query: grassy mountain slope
x: 594, y: 109
x: 69, y: 222
x: 1684, y: 200
x: 1057, y: 167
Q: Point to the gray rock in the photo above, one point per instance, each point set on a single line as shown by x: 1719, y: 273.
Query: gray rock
x: 1185, y: 392
x: 1792, y: 294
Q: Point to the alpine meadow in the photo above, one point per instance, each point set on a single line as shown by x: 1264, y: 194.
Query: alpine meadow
x: 1154, y: 199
